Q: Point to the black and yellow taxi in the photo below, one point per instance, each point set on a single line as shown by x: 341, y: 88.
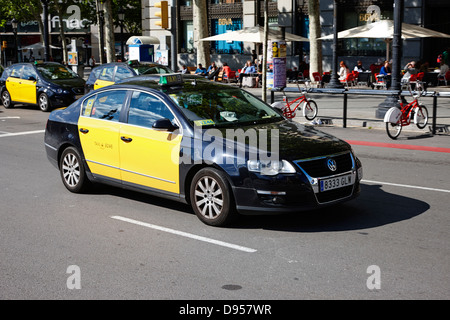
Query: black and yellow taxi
x: 110, y: 73
x: 214, y: 146
x: 46, y: 84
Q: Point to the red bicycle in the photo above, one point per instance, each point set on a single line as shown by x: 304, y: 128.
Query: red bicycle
x: 396, y: 118
x: 289, y: 108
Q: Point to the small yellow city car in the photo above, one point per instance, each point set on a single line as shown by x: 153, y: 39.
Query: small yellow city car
x: 212, y: 145
x: 110, y: 73
x: 46, y: 84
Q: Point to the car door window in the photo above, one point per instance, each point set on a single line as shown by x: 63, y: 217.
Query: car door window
x: 107, y: 74
x: 122, y: 73
x: 105, y: 105
x: 16, y: 71
x: 145, y: 109
x: 28, y: 72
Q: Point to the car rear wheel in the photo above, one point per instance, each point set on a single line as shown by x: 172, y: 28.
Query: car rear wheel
x: 211, y: 198
x: 6, y: 100
x: 43, y: 102
x: 72, y: 171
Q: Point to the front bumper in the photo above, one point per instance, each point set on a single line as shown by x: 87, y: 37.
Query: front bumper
x: 297, y: 198
x: 286, y: 193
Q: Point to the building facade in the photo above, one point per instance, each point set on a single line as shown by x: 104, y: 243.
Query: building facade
x: 230, y: 15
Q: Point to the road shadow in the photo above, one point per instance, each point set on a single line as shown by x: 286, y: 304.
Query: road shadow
x: 373, y: 208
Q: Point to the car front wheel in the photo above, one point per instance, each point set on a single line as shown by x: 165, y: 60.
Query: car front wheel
x: 211, y: 198
x: 43, y: 102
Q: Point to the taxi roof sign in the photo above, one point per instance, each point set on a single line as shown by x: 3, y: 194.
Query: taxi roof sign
x: 170, y: 79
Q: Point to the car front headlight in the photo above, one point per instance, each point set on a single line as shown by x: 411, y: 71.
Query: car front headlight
x: 270, y: 167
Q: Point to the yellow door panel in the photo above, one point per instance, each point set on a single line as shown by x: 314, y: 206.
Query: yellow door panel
x: 102, y: 83
x: 99, y: 140
x: 12, y: 87
x: 150, y: 158
x: 28, y: 91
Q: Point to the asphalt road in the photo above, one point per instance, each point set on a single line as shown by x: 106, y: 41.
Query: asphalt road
x: 390, y: 243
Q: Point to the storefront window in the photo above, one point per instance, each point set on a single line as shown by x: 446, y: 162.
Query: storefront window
x: 188, y: 42
x: 224, y: 25
x: 363, y: 46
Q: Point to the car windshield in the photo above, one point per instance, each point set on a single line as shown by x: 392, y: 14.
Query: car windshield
x: 209, y: 105
x: 151, y: 69
x: 56, y: 72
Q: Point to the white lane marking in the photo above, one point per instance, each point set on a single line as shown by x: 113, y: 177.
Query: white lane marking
x: 185, y: 234
x: 3, y: 118
x: 20, y: 133
x: 406, y: 186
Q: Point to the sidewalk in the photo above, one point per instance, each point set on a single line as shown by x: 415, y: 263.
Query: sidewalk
x: 361, y: 109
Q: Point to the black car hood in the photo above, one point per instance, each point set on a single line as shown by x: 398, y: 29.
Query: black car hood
x: 295, y: 141
x: 69, y: 83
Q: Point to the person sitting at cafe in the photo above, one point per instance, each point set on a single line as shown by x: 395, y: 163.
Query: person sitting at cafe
x: 385, y: 73
x: 359, y: 67
x: 200, y: 70
x: 443, y: 68
x: 410, y: 69
x: 343, y: 71
x: 246, y: 71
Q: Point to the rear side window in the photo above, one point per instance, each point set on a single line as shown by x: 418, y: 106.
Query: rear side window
x: 105, y: 105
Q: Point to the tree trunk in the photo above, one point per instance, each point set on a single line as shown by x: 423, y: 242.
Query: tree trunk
x: 109, y: 33
x: 315, y: 53
x: 201, y: 30
x: 62, y: 34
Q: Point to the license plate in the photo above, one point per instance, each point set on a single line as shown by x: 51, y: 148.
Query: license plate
x: 337, y: 182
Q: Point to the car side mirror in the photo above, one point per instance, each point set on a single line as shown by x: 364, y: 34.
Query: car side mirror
x: 32, y: 78
x: 164, y: 125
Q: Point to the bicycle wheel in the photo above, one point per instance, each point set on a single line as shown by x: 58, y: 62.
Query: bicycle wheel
x: 421, y: 117
x: 393, y: 129
x: 310, y: 109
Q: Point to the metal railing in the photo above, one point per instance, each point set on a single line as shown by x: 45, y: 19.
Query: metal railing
x: 345, y: 92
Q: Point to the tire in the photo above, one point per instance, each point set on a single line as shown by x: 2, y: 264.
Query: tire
x: 393, y: 129
x: 211, y: 198
x: 6, y: 100
x: 421, y: 117
x: 72, y: 171
x: 310, y: 109
x: 43, y: 102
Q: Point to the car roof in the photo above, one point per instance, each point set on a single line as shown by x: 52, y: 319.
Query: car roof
x: 131, y: 63
x: 152, y: 80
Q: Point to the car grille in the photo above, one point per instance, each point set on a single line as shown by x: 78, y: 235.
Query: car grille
x: 79, y: 90
x: 318, y: 167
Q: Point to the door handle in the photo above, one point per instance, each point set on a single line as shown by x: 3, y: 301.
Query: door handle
x: 125, y: 139
x: 84, y: 130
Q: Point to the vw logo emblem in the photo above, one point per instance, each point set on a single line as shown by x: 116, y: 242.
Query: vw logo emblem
x: 331, y: 163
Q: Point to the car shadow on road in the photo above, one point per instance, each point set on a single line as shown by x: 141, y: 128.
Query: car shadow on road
x: 373, y: 208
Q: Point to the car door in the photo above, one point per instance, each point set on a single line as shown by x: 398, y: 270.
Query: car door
x: 105, y: 78
x: 99, y: 128
x: 149, y: 157
x: 12, y: 83
x: 27, y: 85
